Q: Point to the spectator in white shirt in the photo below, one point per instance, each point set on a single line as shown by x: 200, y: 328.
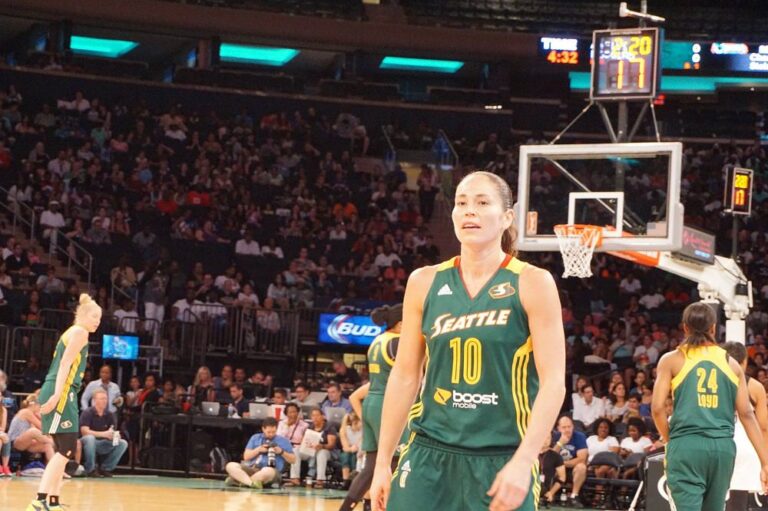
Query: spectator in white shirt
x: 603, y: 441
x: 51, y: 220
x: 385, y: 258
x: 591, y: 409
x: 272, y: 249
x: 229, y: 276
x: 247, y: 246
x: 635, y: 443
x: 630, y: 285
x: 182, y: 309
x: 652, y: 300
x: 126, y: 317
x: 267, y: 319
x: 247, y: 297
x: 646, y: 354
x: 338, y: 232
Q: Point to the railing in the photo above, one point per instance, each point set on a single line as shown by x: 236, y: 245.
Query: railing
x: 75, y: 255
x: 390, y: 153
x: 26, y: 342
x: 151, y: 356
x: 56, y: 319
x: 5, y: 346
x: 20, y: 212
x: 445, y: 154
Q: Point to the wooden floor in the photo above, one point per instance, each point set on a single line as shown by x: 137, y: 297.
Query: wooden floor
x: 151, y: 493
x: 148, y: 493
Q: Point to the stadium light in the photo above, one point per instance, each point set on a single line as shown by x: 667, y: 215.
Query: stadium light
x: 429, y: 65
x: 101, y: 47
x: 263, y: 55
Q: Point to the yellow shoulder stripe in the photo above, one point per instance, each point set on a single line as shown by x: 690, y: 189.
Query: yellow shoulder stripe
x: 694, y: 356
x: 515, y: 265
x: 447, y: 265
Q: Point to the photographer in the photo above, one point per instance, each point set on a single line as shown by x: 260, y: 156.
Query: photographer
x: 264, y: 457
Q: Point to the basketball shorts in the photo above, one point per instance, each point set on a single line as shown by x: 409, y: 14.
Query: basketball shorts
x: 433, y: 475
x: 372, y: 408
x: 65, y: 418
x: 698, y: 471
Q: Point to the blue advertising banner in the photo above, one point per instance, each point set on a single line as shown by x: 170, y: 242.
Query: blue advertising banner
x: 347, y: 329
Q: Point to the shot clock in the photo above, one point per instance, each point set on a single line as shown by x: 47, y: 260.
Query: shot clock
x: 625, y: 64
x: 738, y: 191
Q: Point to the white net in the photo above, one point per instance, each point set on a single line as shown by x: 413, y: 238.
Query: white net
x: 577, y: 243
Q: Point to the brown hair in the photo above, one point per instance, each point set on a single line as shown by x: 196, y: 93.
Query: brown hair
x: 509, y: 237
x: 698, y: 318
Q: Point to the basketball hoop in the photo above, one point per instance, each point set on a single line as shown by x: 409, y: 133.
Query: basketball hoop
x: 577, y: 243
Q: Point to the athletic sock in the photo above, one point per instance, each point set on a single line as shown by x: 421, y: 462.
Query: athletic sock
x: 54, y: 500
x: 42, y: 496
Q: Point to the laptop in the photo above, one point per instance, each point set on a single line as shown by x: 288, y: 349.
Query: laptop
x: 259, y: 411
x: 211, y: 408
x: 335, y: 415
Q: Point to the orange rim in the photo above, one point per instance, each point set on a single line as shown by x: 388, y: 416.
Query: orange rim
x: 583, y: 231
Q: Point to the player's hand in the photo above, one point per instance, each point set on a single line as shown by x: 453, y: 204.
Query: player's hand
x: 764, y: 478
x: 510, y: 488
x: 382, y: 478
x: 49, y: 405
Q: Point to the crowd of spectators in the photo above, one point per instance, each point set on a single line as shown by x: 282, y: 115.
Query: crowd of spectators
x: 188, y: 213
x: 282, y: 189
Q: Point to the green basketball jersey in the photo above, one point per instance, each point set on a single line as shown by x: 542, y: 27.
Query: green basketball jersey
x: 75, y: 376
x: 380, y: 361
x: 481, y: 380
x: 704, y: 393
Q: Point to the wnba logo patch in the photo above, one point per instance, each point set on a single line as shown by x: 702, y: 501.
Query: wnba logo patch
x: 501, y: 291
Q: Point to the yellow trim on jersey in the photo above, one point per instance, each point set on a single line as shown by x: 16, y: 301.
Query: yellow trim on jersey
x: 384, y: 345
x: 515, y: 265
x: 520, y: 385
x: 447, y: 265
x: 695, y: 355
x: 403, y: 452
x: 68, y: 383
x: 536, y: 484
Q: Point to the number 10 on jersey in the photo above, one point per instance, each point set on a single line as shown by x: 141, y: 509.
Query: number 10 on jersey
x: 467, y: 360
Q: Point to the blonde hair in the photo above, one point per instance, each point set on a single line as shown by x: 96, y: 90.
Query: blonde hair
x: 200, y: 369
x: 85, y: 304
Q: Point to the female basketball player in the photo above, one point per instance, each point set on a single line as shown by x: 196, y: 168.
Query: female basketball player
x: 708, y: 387
x: 59, y: 395
x: 488, y: 329
x: 746, y: 468
x: 381, y: 358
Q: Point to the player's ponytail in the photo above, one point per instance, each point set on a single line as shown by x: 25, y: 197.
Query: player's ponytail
x: 387, y: 316
x: 509, y: 236
x: 698, y: 320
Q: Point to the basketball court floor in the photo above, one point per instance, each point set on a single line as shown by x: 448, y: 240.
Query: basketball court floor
x: 151, y: 493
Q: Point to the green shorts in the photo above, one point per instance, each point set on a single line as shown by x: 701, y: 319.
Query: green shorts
x: 698, y: 471
x: 433, y: 475
x: 372, y: 408
x: 65, y: 418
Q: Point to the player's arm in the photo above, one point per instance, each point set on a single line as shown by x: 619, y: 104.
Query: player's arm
x: 661, y: 390
x: 405, y: 379
x: 78, y: 339
x: 542, y: 305
x: 357, y: 397
x: 761, y: 406
x: 541, y: 302
x: 748, y: 419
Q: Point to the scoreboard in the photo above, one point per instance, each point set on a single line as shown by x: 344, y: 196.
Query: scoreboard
x: 738, y: 191
x: 625, y: 64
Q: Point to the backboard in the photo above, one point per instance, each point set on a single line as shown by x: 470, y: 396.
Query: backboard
x: 632, y: 189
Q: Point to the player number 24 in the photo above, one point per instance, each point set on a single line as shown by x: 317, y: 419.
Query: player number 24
x: 467, y: 360
x: 701, y: 374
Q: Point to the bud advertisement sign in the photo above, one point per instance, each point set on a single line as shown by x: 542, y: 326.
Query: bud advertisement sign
x: 347, y: 329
